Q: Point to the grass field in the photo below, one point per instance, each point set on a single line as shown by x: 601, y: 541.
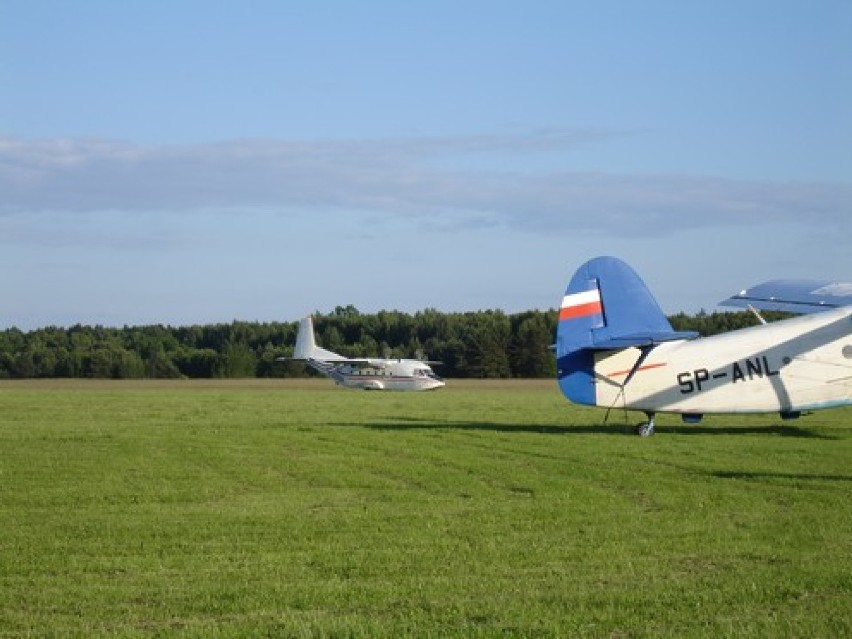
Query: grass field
x: 272, y: 508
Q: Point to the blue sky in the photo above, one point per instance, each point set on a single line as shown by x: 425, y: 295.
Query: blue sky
x: 193, y: 162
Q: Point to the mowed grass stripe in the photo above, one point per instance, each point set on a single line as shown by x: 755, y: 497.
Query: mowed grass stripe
x: 479, y: 510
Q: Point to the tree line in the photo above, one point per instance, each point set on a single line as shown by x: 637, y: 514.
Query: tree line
x: 481, y: 344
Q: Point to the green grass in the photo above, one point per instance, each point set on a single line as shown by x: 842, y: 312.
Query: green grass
x: 492, y: 509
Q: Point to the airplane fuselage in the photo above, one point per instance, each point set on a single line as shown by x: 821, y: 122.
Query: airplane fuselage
x: 797, y: 364
x: 401, y: 374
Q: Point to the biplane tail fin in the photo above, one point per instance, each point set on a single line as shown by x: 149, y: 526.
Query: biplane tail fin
x: 606, y: 306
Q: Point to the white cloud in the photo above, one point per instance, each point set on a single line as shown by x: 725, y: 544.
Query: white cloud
x: 398, y: 177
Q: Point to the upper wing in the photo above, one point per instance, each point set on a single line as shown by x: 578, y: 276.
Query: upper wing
x: 794, y: 296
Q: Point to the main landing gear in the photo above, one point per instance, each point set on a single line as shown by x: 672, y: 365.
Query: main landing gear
x: 646, y: 429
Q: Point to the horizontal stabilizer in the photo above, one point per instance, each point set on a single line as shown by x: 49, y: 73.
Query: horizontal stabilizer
x: 641, y: 339
x: 794, y: 296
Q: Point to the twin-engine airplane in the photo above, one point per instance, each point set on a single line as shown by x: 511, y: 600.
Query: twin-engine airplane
x: 366, y: 374
x: 615, y: 348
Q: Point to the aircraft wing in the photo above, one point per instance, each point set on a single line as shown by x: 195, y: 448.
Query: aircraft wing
x: 364, y: 362
x: 367, y: 362
x: 371, y: 362
x: 794, y: 296
x: 339, y: 359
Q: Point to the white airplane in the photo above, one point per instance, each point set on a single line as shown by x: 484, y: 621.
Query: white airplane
x: 366, y: 374
x: 615, y: 348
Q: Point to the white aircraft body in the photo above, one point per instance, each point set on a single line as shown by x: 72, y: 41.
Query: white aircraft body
x: 365, y: 374
x: 616, y: 349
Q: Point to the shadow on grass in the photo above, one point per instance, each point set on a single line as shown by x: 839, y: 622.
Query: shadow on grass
x: 415, y: 423
x: 784, y: 430
x: 793, y: 476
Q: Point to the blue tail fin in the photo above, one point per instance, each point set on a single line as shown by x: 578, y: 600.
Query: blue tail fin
x: 606, y: 306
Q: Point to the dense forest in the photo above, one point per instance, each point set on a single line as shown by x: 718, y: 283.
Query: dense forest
x: 482, y: 344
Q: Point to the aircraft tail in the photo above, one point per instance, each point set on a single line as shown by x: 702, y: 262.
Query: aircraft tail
x: 606, y: 307
x: 306, y: 347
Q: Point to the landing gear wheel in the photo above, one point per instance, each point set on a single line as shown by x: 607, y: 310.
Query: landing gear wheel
x: 646, y: 429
